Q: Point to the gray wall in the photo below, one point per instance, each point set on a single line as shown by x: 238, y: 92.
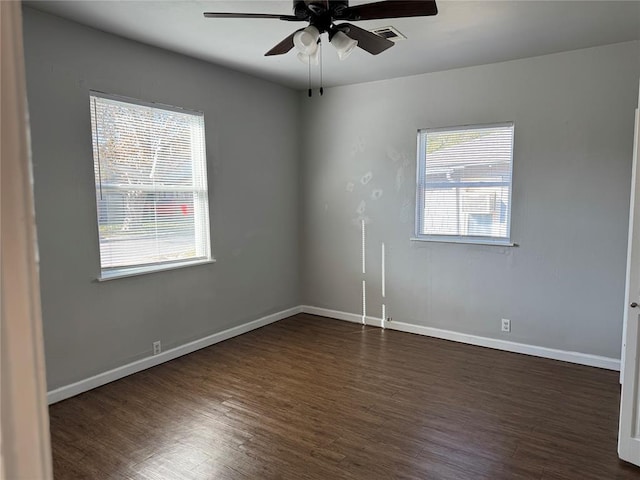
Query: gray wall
x: 252, y: 155
x: 564, y: 286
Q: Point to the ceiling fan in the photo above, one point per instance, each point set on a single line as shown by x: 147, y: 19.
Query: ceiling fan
x: 322, y: 15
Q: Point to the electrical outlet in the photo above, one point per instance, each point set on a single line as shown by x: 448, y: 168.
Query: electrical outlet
x: 157, y: 347
x: 389, y: 319
x: 506, y: 325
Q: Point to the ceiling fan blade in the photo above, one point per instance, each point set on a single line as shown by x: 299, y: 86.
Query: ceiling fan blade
x: 283, y: 47
x: 370, y: 42
x: 288, y: 18
x: 389, y: 9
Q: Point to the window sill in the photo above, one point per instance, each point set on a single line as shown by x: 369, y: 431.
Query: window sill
x: 465, y: 241
x: 136, y: 271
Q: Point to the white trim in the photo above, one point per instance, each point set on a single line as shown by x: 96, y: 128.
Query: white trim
x: 469, y: 126
x: 126, y: 272
x: 537, y: 351
x: 467, y: 240
x: 348, y: 317
x: 421, y: 172
x: 25, y: 446
x: 162, y: 106
x: 102, y: 378
x: 87, y: 384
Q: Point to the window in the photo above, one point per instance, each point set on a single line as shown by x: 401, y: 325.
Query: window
x: 151, y: 186
x: 464, y: 184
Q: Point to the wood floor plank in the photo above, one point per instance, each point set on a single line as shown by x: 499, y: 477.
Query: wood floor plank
x: 314, y: 398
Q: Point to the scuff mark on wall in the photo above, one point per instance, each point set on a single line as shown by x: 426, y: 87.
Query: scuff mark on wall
x: 405, y: 211
x: 393, y: 154
x: 357, y: 222
x: 358, y: 146
x: 400, y: 178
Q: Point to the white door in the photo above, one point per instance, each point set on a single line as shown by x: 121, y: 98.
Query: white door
x: 629, y: 433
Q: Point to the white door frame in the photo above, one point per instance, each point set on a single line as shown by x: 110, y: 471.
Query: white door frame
x: 25, y: 451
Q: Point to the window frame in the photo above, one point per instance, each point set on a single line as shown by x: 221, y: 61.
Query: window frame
x: 421, y: 168
x: 110, y: 273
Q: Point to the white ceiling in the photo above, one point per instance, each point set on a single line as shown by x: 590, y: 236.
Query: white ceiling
x: 464, y: 33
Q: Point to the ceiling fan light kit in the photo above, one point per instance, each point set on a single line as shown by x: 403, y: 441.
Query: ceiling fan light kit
x: 343, y: 44
x: 306, y: 40
x: 312, y: 59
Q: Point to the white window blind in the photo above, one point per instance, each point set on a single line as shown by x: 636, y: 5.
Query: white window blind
x: 151, y: 185
x: 464, y: 183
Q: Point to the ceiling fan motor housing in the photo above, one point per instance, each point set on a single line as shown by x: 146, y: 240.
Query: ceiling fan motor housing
x: 300, y: 8
x: 320, y: 14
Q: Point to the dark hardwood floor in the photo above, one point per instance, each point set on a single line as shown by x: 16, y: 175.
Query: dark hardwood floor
x: 310, y: 397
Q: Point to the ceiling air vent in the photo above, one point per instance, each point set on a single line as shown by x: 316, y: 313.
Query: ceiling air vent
x: 389, y: 33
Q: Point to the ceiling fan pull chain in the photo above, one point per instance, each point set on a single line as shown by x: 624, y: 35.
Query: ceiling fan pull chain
x: 310, y: 91
x: 320, y: 47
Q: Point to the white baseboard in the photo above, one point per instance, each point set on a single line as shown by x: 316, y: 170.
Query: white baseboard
x: 102, y: 378
x: 349, y: 317
x: 564, y: 355
x: 97, y: 380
